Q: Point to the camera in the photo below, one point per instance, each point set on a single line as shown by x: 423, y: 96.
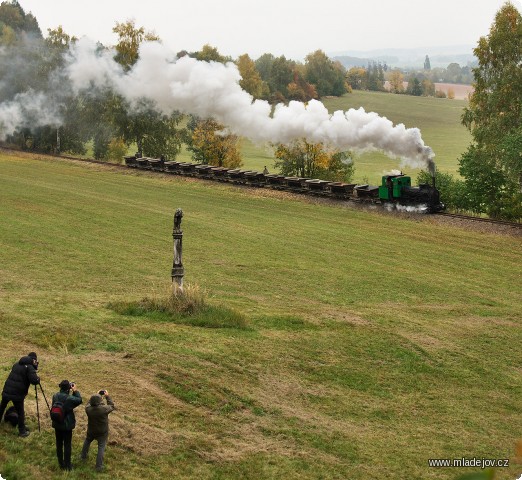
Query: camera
x: 101, y: 392
x: 72, y: 384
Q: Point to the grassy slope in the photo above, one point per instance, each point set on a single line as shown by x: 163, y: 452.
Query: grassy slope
x: 374, y: 343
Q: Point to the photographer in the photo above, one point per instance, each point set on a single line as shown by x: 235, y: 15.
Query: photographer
x: 64, y: 422
x: 16, y: 387
x: 98, y: 425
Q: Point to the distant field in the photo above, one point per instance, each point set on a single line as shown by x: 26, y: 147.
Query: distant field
x: 461, y: 91
x: 437, y: 119
x: 373, y: 341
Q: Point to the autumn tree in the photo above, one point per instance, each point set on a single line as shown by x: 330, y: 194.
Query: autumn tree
x: 299, y: 89
x: 130, y: 38
x: 492, y: 165
x: 396, y: 79
x: 251, y: 81
x: 428, y: 88
x: 357, y: 78
x: 326, y: 75
x: 313, y: 160
x: 209, y: 53
x: 211, y: 144
x: 286, y: 79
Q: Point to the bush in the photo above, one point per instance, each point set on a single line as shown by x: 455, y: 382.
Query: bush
x: 187, y: 307
x: 440, y: 94
x: 117, y: 149
x: 452, y: 190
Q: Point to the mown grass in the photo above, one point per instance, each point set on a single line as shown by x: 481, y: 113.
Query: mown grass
x: 367, y: 344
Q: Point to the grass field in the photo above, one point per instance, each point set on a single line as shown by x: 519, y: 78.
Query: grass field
x: 372, y: 342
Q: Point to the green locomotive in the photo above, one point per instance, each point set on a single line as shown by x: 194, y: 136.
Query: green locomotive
x: 397, y: 190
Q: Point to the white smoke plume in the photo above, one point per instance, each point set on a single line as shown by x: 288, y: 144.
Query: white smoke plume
x: 28, y: 109
x: 423, y: 208
x: 211, y: 89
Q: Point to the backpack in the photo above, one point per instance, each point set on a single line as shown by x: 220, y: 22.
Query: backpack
x: 58, y: 411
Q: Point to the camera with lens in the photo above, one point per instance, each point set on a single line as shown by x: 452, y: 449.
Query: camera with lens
x: 72, y: 384
x: 101, y: 392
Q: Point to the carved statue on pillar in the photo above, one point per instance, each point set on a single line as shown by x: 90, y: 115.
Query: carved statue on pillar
x: 177, y: 266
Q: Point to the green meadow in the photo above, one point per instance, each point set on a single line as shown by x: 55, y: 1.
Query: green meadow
x: 437, y: 118
x: 367, y: 344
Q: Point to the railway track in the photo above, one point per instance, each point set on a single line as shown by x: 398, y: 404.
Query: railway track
x: 481, y: 219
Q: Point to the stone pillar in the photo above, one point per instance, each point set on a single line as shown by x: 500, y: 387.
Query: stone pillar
x: 177, y: 266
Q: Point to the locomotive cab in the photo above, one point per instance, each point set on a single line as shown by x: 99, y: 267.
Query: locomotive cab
x: 392, y: 186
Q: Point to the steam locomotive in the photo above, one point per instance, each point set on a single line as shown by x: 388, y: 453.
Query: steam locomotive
x: 395, y: 191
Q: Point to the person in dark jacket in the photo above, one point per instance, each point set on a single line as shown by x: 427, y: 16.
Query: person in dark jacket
x: 98, y: 425
x: 63, y: 430
x: 16, y: 388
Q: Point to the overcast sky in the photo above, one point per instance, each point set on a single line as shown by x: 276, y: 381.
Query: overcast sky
x: 280, y: 27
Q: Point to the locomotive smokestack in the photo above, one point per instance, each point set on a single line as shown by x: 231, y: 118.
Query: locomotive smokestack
x: 432, y: 170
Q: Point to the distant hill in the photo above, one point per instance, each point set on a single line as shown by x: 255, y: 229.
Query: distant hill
x: 407, y: 58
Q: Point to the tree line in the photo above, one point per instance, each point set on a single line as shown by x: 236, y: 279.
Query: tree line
x: 374, y: 76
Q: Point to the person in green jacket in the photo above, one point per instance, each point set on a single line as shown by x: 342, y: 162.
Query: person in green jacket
x: 98, y: 425
x: 63, y: 429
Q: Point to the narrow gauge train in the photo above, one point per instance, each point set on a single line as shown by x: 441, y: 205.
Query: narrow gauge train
x: 395, y: 190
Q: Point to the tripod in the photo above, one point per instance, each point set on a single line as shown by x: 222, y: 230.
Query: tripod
x: 37, y: 406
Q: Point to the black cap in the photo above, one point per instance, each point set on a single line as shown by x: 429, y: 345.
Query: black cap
x: 32, y: 355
